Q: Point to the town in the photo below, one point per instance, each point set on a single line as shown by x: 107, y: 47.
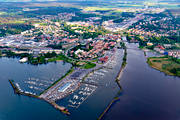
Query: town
x: 89, y: 39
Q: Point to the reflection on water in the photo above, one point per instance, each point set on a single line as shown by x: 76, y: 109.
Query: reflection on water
x: 148, y: 94
x: 97, y: 90
x: 15, y: 107
x: 35, y: 79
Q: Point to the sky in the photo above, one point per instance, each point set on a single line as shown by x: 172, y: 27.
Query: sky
x: 23, y: 0
x: 68, y: 0
x: 36, y: 0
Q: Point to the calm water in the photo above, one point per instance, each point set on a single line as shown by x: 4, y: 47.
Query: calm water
x: 147, y: 93
x: 14, y: 107
x: 104, y: 92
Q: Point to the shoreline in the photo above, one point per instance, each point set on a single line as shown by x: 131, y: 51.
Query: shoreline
x: 17, y: 91
x: 51, y: 90
x: 117, y: 80
x: 53, y: 103
x: 61, y: 78
x: 150, y: 64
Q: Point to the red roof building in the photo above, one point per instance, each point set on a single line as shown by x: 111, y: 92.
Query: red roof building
x: 104, y: 59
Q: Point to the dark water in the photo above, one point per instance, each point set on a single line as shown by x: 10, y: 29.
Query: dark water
x: 14, y: 107
x: 147, y: 93
x: 106, y: 90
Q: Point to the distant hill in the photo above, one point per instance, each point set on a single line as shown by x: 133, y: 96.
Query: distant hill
x: 59, y: 0
x: 174, y: 1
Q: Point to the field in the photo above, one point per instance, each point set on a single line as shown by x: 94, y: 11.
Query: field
x: 2, y: 13
x: 162, y: 4
x: 10, y: 20
x: 97, y: 8
x: 89, y: 65
x: 165, y: 64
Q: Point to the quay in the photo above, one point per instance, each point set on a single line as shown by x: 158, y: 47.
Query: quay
x: 17, y: 91
x: 123, y: 65
x: 64, y: 86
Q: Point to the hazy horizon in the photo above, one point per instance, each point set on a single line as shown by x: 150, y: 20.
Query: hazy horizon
x: 82, y: 0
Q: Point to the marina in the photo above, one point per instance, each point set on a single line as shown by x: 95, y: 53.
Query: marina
x: 106, y: 85
x: 89, y: 60
x: 73, y: 84
x: 76, y: 86
x: 92, y: 84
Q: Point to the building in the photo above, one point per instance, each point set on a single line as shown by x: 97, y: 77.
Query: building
x: 103, y: 59
x: 64, y: 87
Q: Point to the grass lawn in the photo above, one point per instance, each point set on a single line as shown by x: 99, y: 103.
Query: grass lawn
x: 60, y: 57
x: 89, y: 65
x: 165, y: 64
x: 68, y: 73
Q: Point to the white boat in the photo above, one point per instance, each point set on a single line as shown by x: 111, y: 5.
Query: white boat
x: 23, y: 60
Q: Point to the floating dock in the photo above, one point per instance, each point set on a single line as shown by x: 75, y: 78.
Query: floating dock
x: 18, y: 91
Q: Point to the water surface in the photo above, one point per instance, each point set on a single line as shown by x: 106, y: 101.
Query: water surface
x: 148, y: 94
x: 14, y: 107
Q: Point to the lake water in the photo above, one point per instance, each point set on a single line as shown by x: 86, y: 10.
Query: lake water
x: 147, y: 93
x: 92, y: 100
x: 14, y: 107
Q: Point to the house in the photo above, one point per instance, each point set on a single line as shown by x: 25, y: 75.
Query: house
x: 174, y: 53
x: 149, y: 44
x: 103, y: 59
x: 167, y: 45
x: 160, y: 47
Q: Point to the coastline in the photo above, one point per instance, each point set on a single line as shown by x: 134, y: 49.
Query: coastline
x: 123, y: 65
x: 17, y: 91
x: 53, y: 87
x: 154, y: 65
x: 53, y: 103
x: 56, y: 82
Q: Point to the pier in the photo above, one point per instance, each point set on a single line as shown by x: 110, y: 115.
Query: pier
x: 108, y: 107
x: 64, y: 86
x: 94, y: 84
x: 123, y: 65
x: 18, y: 91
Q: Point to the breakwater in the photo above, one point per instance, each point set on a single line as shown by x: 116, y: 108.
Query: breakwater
x: 18, y: 91
x: 108, y: 107
x: 123, y: 65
